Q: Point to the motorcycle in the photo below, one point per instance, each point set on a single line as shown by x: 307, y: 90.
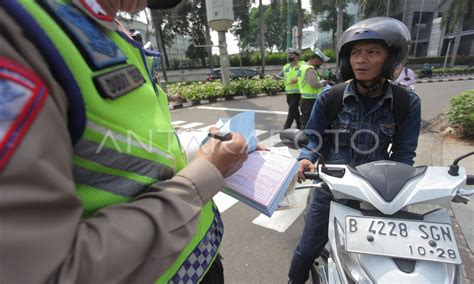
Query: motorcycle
x: 426, y: 71
x: 399, y: 230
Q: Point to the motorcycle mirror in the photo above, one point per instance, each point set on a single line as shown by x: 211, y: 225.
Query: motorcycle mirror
x: 454, y: 168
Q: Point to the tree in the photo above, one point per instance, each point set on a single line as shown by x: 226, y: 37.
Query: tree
x: 329, y: 16
x: 261, y: 28
x: 275, y: 27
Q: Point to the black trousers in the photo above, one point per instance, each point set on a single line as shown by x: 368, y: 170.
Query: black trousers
x: 306, y: 106
x: 293, y: 101
x: 215, y: 274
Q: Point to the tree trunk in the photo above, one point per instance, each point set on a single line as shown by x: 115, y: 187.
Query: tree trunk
x: 340, y: 22
x: 299, y: 23
x: 209, y: 48
x: 262, y: 37
x: 457, y: 41
x: 158, y: 34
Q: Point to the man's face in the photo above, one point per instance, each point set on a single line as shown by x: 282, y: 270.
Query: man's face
x: 292, y: 57
x: 316, y: 62
x: 367, y: 60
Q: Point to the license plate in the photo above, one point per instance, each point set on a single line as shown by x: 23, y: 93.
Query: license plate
x: 402, y: 238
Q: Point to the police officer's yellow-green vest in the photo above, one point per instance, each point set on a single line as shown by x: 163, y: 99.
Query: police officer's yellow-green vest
x: 128, y: 142
x: 290, y: 72
x: 307, y: 92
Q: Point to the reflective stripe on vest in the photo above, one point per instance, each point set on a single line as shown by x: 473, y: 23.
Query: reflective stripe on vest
x: 133, y: 130
x: 307, y: 92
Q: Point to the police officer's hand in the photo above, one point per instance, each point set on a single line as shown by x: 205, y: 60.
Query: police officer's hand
x: 226, y: 156
x: 305, y: 166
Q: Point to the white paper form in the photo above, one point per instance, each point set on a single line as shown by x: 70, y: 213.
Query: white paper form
x: 262, y: 176
x: 243, y: 123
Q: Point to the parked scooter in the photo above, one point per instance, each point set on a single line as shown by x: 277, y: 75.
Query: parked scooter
x: 399, y: 231
x: 426, y: 71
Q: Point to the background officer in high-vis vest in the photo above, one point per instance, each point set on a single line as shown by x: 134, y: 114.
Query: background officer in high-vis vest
x: 94, y: 186
x: 290, y: 77
x: 310, y: 84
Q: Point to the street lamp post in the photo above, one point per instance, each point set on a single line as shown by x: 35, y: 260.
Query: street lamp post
x: 450, y: 39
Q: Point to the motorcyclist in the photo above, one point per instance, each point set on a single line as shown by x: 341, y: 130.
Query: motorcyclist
x: 370, y: 53
x: 426, y: 71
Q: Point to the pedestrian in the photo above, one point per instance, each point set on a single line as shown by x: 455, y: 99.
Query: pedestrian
x: 310, y: 84
x: 290, y: 73
x: 94, y: 186
x: 370, y: 114
x: 407, y: 78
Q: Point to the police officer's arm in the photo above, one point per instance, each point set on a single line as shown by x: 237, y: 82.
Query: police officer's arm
x: 42, y: 236
x: 405, y: 140
x: 311, y: 79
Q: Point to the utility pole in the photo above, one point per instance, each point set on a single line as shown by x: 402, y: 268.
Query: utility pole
x: 220, y: 16
x: 224, y: 58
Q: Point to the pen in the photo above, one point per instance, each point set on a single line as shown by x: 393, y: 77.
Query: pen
x: 220, y: 136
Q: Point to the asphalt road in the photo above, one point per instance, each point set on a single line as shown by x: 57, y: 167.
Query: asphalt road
x: 261, y: 253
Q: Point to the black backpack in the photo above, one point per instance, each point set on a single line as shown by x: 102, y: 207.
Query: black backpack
x: 401, y: 104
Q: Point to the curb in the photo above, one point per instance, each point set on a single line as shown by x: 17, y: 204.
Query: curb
x: 231, y: 98
x: 444, y: 80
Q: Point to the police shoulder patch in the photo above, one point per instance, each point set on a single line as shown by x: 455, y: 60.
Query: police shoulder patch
x: 22, y: 94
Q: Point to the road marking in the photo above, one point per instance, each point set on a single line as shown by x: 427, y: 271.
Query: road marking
x: 224, y: 201
x: 282, y: 219
x: 177, y: 122
x: 259, y: 132
x: 205, y: 128
x: 191, y: 125
x: 243, y: 109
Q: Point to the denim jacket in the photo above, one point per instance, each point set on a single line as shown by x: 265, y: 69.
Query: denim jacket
x: 369, y: 133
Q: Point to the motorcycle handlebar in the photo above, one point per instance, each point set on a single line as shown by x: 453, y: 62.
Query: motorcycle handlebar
x: 470, y: 180
x: 311, y: 175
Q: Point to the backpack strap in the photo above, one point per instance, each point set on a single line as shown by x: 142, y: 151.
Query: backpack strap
x: 334, y: 103
x: 401, y: 104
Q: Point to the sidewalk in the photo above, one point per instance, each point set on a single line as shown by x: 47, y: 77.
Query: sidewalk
x: 436, y: 149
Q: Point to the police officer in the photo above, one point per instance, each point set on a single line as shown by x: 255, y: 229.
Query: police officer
x: 290, y: 73
x: 365, y: 123
x: 310, y: 84
x: 94, y: 186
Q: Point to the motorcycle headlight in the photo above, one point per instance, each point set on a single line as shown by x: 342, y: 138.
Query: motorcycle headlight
x: 350, y: 261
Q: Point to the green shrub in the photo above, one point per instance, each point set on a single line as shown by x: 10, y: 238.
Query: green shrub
x: 249, y: 88
x: 461, y: 112
x: 198, y: 91
x: 331, y: 53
